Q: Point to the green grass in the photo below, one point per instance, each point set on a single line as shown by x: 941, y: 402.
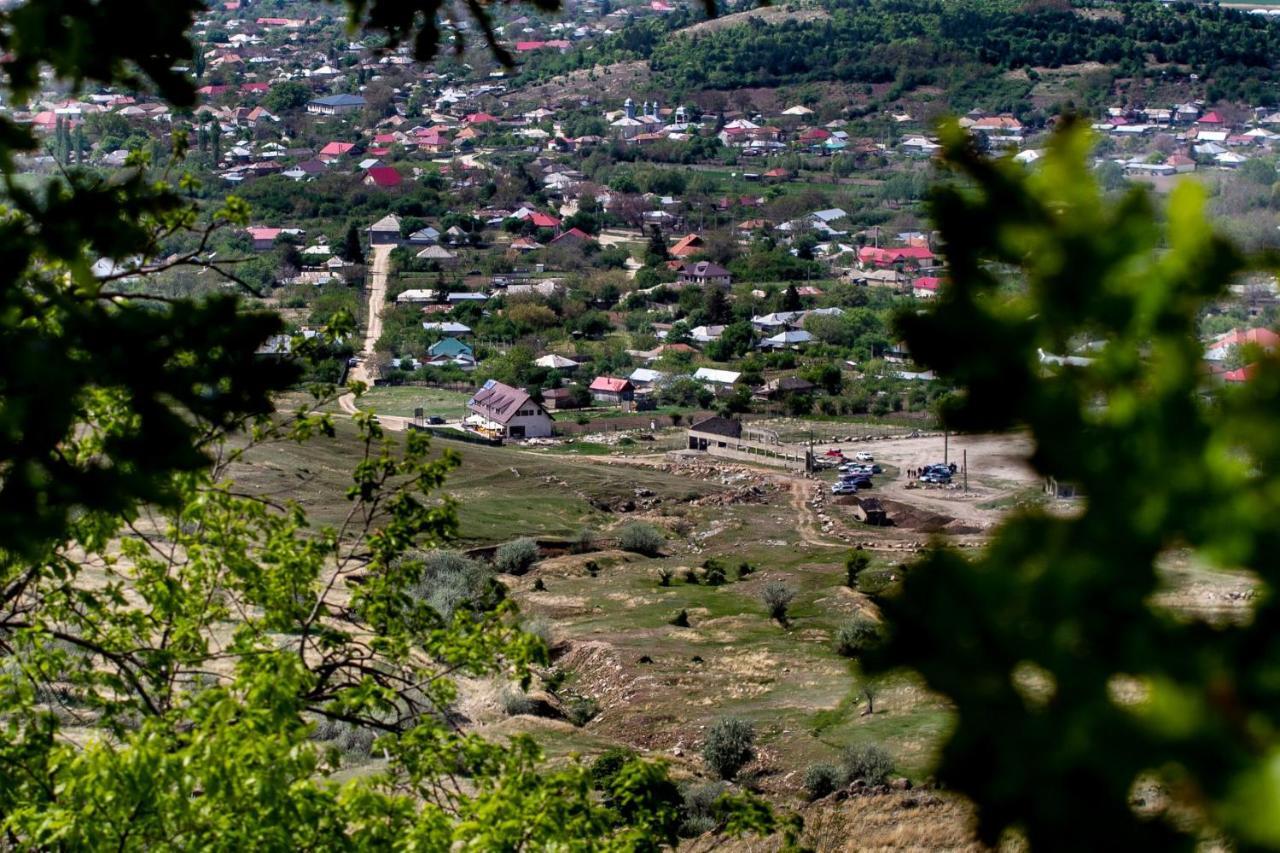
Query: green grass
x: 401, y: 400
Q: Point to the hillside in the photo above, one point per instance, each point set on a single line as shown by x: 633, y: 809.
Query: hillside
x: 986, y: 54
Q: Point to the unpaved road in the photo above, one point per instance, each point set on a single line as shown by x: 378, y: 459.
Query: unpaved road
x: 378, y: 273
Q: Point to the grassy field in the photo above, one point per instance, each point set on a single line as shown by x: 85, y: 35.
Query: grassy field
x: 401, y: 400
x: 659, y: 686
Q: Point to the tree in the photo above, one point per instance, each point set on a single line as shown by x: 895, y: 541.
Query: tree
x: 352, y: 251
x: 656, y: 251
x: 730, y: 746
x: 286, y: 97
x: 1063, y: 630
x: 777, y: 598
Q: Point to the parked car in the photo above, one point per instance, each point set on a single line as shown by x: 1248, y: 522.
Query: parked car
x: 435, y: 420
x: 844, y: 489
x: 936, y: 478
x: 864, y: 456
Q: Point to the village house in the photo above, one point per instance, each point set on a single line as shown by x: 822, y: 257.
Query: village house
x: 611, y: 390
x: 705, y: 273
x: 500, y: 411
x: 336, y: 105
x: 386, y: 231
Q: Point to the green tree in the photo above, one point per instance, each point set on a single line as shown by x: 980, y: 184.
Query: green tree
x: 352, y: 251
x: 1066, y: 674
x: 284, y: 97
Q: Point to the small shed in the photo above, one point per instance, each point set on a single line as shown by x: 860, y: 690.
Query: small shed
x: 870, y: 511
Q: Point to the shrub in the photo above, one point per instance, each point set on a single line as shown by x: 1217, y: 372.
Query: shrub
x: 592, y: 567
x: 854, y: 565
x: 449, y: 581
x: 744, y: 569
x: 868, y: 762
x: 729, y: 746
x: 641, y: 538
x: 699, y: 807
x: 540, y: 627
x: 822, y: 779
x: 584, y: 542
x: 515, y: 557
x: 681, y: 619
x: 715, y: 575
x: 691, y: 576
x: 607, y: 766
x: 777, y: 597
x: 516, y: 702
x: 580, y: 710
x: 857, y: 636
x: 664, y: 577
x: 539, y: 585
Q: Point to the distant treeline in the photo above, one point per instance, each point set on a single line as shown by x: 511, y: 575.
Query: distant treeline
x: 954, y: 44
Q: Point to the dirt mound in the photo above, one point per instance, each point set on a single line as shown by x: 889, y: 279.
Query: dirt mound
x: 598, y: 673
x: 914, y: 518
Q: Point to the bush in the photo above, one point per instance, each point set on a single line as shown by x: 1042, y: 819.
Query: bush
x: 580, y: 710
x: 729, y: 746
x: 700, y: 806
x: 516, y: 702
x: 584, y: 542
x: 854, y: 565
x: 540, y: 627
x: 744, y: 569
x: 868, y: 762
x: 681, y: 619
x: 642, y: 539
x: 607, y: 766
x: 822, y: 779
x: 691, y: 576
x: 857, y: 636
x: 664, y: 577
x: 515, y: 557
x: 715, y: 575
x: 777, y: 597
x: 449, y: 581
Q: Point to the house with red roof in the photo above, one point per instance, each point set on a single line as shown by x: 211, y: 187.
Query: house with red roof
x: 887, y: 257
x: 479, y: 118
x: 543, y: 220
x: 1220, y: 348
x: 255, y: 88
x: 335, y: 151
x: 572, y: 237
x: 382, y: 177
x: 1240, y: 374
x: 214, y: 91
x: 263, y: 238
x: 611, y: 390
x: 526, y: 46
x: 925, y: 287
x: 687, y: 246
x: 1211, y: 118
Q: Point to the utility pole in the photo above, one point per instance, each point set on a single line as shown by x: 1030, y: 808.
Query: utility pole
x: 965, y: 468
x: 946, y: 436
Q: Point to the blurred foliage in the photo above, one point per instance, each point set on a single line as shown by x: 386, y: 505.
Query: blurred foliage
x: 1087, y: 716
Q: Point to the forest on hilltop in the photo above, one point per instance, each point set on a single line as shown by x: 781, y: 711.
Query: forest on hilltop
x: 963, y: 47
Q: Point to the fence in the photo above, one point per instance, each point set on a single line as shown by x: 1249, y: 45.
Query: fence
x: 641, y: 420
x: 451, y: 434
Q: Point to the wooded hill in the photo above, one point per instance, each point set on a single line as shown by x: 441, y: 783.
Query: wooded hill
x: 964, y: 47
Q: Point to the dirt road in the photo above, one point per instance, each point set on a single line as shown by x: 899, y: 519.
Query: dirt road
x: 379, y: 269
